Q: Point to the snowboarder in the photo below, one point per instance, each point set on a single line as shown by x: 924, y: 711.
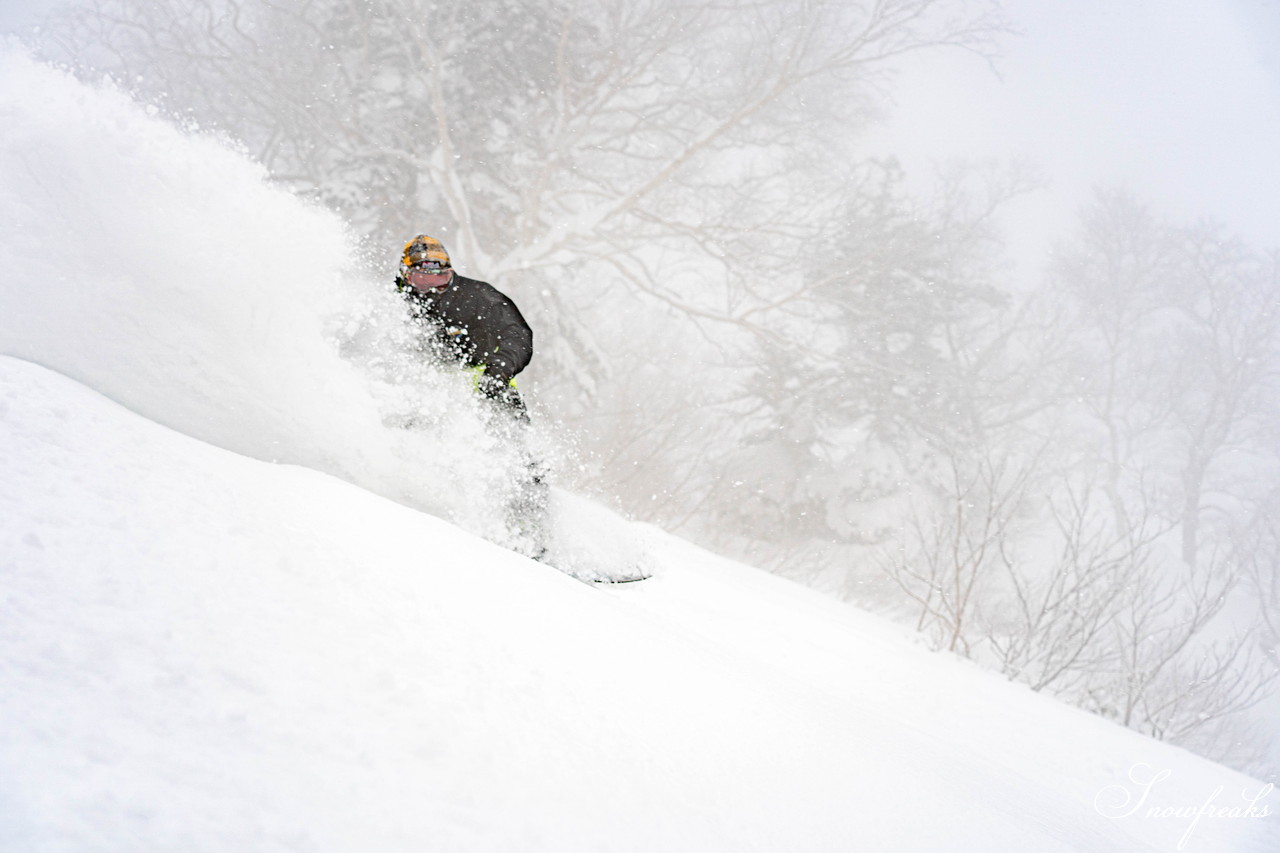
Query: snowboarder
x: 471, y: 321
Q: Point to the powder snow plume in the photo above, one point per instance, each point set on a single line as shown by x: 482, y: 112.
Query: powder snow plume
x: 161, y: 268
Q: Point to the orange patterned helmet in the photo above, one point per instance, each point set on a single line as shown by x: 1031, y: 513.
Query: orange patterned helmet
x: 424, y: 250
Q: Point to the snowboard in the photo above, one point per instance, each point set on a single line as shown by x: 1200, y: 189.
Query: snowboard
x: 636, y: 578
x: 602, y: 578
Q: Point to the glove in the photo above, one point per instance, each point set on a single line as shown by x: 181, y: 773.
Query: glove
x: 494, y: 385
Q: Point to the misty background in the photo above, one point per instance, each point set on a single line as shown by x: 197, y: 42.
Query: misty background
x: 962, y: 312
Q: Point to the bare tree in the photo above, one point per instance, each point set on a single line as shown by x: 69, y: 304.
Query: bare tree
x: 1106, y: 568
x: 951, y: 551
x: 871, y: 365
x: 1055, y: 635
x: 1260, y: 553
x: 1175, y: 342
x: 1225, y: 362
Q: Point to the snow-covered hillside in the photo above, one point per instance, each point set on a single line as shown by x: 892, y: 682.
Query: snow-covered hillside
x: 227, y: 624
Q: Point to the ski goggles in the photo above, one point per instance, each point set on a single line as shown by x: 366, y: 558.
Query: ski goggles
x: 429, y: 274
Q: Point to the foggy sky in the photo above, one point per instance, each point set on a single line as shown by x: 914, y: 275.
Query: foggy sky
x: 1176, y: 100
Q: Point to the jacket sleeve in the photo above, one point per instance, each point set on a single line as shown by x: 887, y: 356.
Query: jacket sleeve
x: 505, y: 342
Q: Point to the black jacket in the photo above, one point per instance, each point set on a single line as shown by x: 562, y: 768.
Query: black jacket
x: 473, y: 322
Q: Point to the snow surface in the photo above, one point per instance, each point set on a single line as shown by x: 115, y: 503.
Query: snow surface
x: 227, y: 622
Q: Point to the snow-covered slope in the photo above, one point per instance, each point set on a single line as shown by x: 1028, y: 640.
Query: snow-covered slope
x: 207, y: 652
x: 202, y: 648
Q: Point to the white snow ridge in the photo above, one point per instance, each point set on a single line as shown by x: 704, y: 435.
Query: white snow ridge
x: 242, y: 610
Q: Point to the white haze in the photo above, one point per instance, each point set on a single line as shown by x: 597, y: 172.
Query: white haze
x: 1178, y: 102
